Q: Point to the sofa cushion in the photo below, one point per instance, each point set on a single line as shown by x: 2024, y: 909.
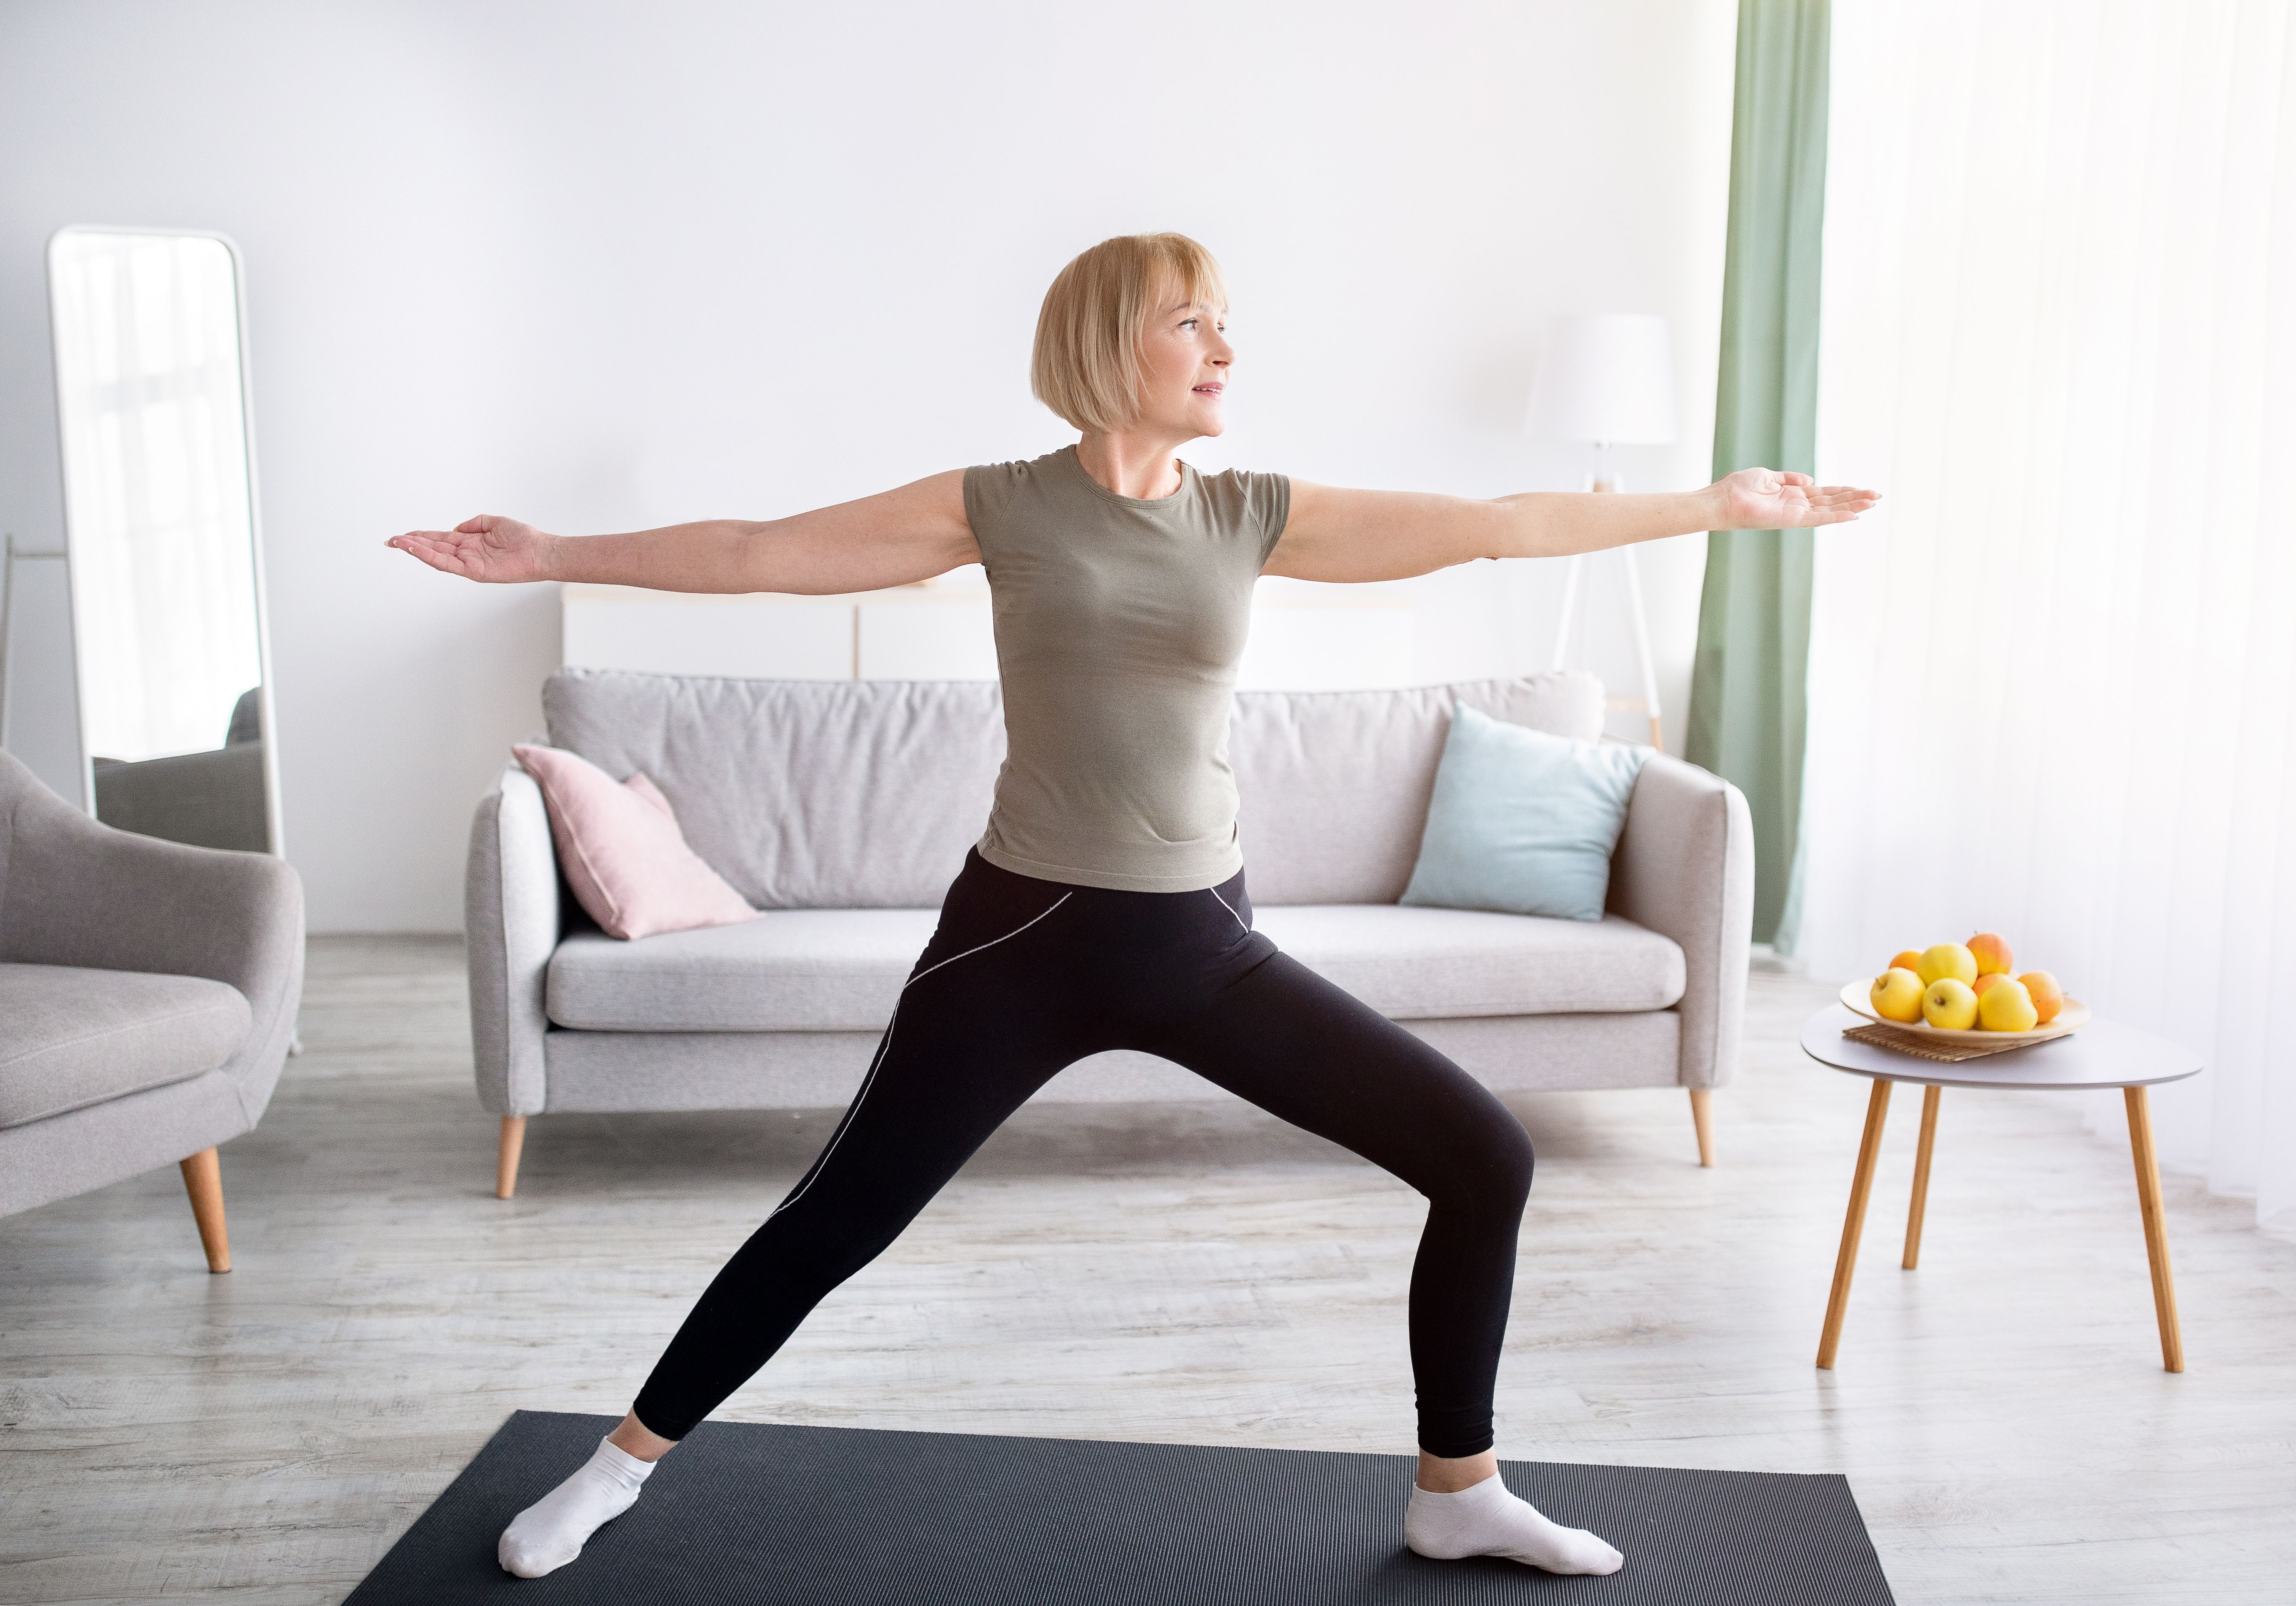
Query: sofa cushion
x: 621, y: 852
x: 1335, y: 785
x: 1423, y: 964
x: 802, y: 794
x: 1522, y: 823
x: 797, y: 970
x: 865, y: 794
x: 841, y: 970
x: 71, y: 1038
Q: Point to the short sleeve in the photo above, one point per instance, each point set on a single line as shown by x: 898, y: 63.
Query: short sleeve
x: 1269, y: 497
x: 988, y: 493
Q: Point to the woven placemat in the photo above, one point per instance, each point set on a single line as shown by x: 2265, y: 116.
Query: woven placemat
x: 1926, y: 1048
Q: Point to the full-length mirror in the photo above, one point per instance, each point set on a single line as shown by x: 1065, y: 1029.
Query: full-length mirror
x: 166, y: 570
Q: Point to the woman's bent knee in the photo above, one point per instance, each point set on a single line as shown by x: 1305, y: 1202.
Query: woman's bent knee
x: 1493, y: 1175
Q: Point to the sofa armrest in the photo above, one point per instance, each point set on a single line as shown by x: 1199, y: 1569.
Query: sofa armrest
x: 77, y: 892
x: 510, y: 919
x: 1685, y: 866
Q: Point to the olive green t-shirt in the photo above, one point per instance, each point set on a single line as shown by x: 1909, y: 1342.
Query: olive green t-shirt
x: 1120, y: 621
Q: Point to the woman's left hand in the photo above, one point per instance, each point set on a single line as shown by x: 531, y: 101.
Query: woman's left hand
x: 1768, y: 499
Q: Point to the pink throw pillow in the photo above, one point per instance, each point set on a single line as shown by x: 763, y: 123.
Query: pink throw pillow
x: 623, y: 853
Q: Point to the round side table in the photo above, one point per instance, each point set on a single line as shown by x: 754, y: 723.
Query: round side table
x: 2103, y: 1054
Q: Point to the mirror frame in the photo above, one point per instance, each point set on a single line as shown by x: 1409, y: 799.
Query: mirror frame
x: 80, y: 603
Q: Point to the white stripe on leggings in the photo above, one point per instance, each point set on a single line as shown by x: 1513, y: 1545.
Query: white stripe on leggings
x: 886, y: 1048
x: 1231, y: 909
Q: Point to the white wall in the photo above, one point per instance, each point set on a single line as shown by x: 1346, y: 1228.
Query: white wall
x: 608, y: 266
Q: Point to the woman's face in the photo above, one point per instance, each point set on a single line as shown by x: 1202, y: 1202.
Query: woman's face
x: 1184, y: 360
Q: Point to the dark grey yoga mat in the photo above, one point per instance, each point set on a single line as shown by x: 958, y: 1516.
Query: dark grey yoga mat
x: 754, y: 1514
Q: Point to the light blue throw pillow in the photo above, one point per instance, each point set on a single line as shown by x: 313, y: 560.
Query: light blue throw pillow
x: 1522, y: 821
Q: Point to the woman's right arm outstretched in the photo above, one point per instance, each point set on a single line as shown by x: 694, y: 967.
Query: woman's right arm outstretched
x: 890, y: 539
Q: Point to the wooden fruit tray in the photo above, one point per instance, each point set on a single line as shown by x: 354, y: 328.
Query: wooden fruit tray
x: 1856, y: 997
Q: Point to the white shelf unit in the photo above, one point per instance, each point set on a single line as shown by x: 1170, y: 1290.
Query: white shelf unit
x: 1303, y: 637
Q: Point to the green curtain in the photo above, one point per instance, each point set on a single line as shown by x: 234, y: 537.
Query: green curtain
x: 1748, y: 702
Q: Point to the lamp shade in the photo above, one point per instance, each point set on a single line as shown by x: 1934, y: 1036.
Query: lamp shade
x: 1606, y: 377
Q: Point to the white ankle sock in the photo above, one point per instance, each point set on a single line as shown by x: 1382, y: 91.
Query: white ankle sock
x: 1487, y: 1521
x: 550, y: 1533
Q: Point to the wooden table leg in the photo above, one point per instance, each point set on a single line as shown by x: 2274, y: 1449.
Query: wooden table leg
x: 2156, y: 1226
x: 1877, y: 1110
x: 1920, y: 1207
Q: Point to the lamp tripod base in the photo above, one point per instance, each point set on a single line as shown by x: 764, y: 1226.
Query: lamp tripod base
x: 1607, y: 480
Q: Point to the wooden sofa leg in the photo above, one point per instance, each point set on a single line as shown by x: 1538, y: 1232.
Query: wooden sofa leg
x: 1702, y: 1115
x: 203, y: 1181
x: 514, y: 1140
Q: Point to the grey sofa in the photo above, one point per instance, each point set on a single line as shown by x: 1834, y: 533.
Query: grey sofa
x: 148, y: 993
x: 843, y: 809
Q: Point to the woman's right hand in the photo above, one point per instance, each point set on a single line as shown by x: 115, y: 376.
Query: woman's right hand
x: 488, y: 547
x: 890, y: 539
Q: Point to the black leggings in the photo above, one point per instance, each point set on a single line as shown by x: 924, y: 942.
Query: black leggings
x: 1023, y: 977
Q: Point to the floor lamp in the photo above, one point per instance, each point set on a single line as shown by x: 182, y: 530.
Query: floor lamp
x: 1607, y: 379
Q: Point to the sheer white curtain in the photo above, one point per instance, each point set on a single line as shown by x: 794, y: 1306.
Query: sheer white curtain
x: 2052, y: 680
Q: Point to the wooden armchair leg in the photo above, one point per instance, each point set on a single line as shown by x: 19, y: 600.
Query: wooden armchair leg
x: 1702, y: 1115
x: 203, y: 1181
x: 512, y: 1141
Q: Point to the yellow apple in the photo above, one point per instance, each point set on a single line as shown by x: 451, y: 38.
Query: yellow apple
x: 2007, y: 1008
x: 1897, y: 995
x: 1948, y: 1004
x: 1907, y: 960
x: 1948, y: 959
x: 2048, y: 997
x: 1990, y: 979
x: 1991, y: 953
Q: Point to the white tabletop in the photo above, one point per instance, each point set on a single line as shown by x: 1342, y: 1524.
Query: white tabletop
x: 2103, y: 1054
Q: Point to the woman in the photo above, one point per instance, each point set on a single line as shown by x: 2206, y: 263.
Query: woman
x: 1104, y: 905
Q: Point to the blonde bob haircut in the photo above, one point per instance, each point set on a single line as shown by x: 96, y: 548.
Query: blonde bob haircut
x: 1087, y: 364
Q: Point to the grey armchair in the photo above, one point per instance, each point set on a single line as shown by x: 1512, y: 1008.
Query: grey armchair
x: 148, y: 993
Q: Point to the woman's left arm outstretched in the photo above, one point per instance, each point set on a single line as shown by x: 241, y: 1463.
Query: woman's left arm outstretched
x: 1359, y: 536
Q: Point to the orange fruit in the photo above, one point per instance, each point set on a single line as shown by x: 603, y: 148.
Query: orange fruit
x: 2048, y: 997
x: 1908, y: 960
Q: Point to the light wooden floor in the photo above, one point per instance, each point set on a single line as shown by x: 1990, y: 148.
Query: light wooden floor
x: 1198, y: 1275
